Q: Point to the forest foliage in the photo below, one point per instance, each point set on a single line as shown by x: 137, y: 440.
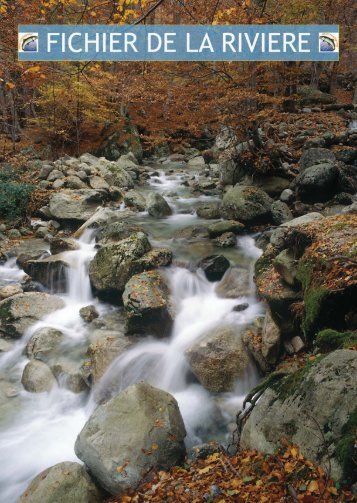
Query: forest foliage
x: 66, y: 105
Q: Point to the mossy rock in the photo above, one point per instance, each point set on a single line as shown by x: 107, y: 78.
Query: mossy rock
x: 329, y: 340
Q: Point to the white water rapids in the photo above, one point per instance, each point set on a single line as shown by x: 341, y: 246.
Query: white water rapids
x: 39, y: 430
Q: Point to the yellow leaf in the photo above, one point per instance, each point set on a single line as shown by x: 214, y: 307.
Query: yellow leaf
x: 33, y: 69
x: 205, y: 470
x: 313, y: 487
x: 294, y: 452
x: 213, y: 457
x: 10, y: 85
x: 154, y: 446
x: 289, y: 467
x: 333, y: 490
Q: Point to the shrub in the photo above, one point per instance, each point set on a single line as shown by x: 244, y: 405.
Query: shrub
x: 14, y: 196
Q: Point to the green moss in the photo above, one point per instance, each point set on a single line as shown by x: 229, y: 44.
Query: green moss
x: 312, y: 302
x: 329, y: 340
x: 346, y: 451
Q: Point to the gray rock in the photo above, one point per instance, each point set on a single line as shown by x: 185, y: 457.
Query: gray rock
x: 318, y: 183
x: 287, y: 196
x: 58, y: 184
x: 37, y: 377
x: 115, y: 232
x: 286, y: 265
x: 197, y: 161
x: 226, y: 240
x: 74, y: 182
x: 235, y: 283
x: 246, y: 204
x: 45, y: 171
x: 76, y: 205
x: 294, y: 345
x: 21, y: 311
x: 96, y: 182
x: 13, y: 234
x: 218, y: 228
x: 280, y: 212
x: 10, y: 291
x: 133, y: 199
x: 304, y: 219
x: 102, y: 352
x: 313, y: 156
x: 88, y: 313
x: 114, y: 264
x: 69, y: 375
x: 271, y: 340
x: 149, y: 435
x: 209, y: 211
x: 103, y: 217
x: 146, y: 300
x: 55, y: 175
x: 219, y: 359
x: 272, y: 185
x: 31, y: 249
x: 65, y: 482
x: 157, y: 206
x: 115, y: 173
x: 60, y: 245
x: 44, y: 344
x: 320, y: 398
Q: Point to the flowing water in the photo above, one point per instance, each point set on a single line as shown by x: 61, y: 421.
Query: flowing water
x: 39, y: 430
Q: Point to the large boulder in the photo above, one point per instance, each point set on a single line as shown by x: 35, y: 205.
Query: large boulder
x: 134, y: 433
x: 37, y: 377
x: 272, y: 185
x: 65, y: 482
x: 19, y: 312
x: 218, y: 228
x: 116, y: 231
x: 31, y: 249
x: 116, y: 173
x: 113, y: 265
x: 102, y: 218
x: 318, y: 183
x: 315, y: 408
x: 157, y: 206
x: 219, y: 359
x: 133, y: 199
x: 246, y: 204
x: 44, y: 344
x: 146, y: 300
x: 312, y: 156
x: 76, y: 205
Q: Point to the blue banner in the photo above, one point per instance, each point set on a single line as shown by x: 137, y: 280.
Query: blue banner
x: 178, y: 43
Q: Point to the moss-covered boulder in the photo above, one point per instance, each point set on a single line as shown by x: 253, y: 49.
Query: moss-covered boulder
x: 247, y: 204
x: 328, y: 340
x: 146, y: 300
x: 315, y: 408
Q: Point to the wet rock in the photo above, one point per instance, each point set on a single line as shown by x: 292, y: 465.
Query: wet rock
x: 214, y: 267
x: 5, y: 346
x: 226, y: 240
x: 133, y: 199
x: 50, y: 272
x: 14, y: 234
x: 101, y: 353
x: 146, y: 300
x: 158, y: 257
x: 102, y: 218
x: 88, y: 313
x: 271, y: 340
x: 44, y: 344
x: 192, y: 232
x: 219, y: 359
x: 31, y: 249
x: 157, y: 206
x: 149, y: 435
x: 10, y: 291
x: 65, y: 482
x: 60, y: 245
x: 321, y: 397
x: 235, y: 283
x: 69, y: 375
x: 247, y: 204
x: 19, y: 312
x: 313, y: 156
x: 37, y: 377
x: 280, y: 212
x: 318, y: 183
x: 209, y: 211
x: 240, y: 307
x: 115, y: 232
x: 218, y: 228
x: 114, y: 264
x: 76, y: 205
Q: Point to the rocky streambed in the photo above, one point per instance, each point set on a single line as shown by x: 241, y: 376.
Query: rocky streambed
x: 132, y: 329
